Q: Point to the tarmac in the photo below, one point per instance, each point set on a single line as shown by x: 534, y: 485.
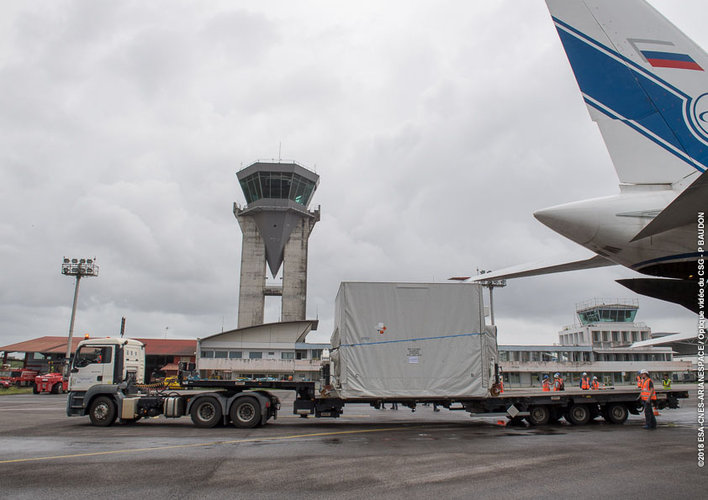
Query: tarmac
x: 365, y: 453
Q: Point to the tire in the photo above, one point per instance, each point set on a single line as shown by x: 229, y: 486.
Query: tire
x: 616, y: 413
x: 578, y: 414
x: 206, y: 412
x: 103, y: 411
x: 56, y: 388
x: 246, y: 413
x: 35, y: 389
x: 539, y: 415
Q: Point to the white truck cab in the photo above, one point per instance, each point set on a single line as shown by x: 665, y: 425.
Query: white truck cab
x: 107, y: 361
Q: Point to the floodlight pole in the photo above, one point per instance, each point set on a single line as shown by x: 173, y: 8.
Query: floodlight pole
x: 71, y: 325
x: 76, y: 268
x: 491, y: 284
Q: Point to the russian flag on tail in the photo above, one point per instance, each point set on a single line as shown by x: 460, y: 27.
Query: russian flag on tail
x: 660, y: 59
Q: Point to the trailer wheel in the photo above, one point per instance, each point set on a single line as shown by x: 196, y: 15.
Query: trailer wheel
x: 246, y: 413
x: 102, y: 411
x: 539, y: 415
x: 206, y: 412
x: 616, y: 413
x: 578, y: 414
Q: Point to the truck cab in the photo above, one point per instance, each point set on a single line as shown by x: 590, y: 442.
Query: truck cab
x: 107, y: 361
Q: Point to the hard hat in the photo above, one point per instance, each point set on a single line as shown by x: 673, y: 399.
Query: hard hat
x: 557, y: 375
x: 545, y: 376
x: 643, y: 371
x: 594, y: 378
x: 585, y: 373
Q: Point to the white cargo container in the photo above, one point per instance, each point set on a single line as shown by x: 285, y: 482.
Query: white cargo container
x: 411, y: 340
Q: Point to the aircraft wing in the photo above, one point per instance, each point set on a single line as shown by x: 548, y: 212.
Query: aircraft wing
x: 544, y: 267
x: 683, y: 210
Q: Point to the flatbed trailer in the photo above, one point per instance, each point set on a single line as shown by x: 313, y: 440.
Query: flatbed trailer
x: 107, y: 377
x: 537, y: 407
x: 249, y: 403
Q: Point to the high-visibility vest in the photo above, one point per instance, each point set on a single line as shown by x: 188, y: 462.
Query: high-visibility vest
x: 585, y: 383
x: 595, y: 385
x: 546, y: 385
x: 666, y: 383
x: 648, y: 390
x: 639, y: 381
x: 501, y: 385
x: 558, y: 384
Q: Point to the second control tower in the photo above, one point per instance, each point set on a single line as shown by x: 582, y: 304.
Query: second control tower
x: 276, y: 225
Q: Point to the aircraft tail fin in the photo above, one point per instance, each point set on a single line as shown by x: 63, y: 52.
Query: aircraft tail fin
x: 681, y: 292
x: 644, y: 82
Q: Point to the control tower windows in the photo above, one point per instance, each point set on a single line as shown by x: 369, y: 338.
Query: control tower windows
x: 277, y: 185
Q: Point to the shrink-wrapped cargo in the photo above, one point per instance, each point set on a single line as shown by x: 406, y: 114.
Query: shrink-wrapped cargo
x: 411, y: 340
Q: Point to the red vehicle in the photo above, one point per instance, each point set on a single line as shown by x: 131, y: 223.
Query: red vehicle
x: 19, y: 378
x: 50, y: 382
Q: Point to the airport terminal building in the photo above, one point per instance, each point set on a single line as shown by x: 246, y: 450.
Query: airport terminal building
x: 271, y: 350
x: 603, y: 344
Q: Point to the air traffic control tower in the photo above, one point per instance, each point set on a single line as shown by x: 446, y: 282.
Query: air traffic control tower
x: 276, y: 225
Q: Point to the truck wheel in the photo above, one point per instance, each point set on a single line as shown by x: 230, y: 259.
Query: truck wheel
x: 35, y: 389
x: 56, y: 388
x: 578, y: 414
x: 539, y: 415
x: 206, y: 412
x: 616, y: 413
x: 246, y: 413
x: 102, y: 411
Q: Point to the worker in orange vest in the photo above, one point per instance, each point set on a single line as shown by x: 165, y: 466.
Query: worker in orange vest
x: 595, y: 384
x: 585, y: 382
x: 648, y: 395
x: 558, y: 384
x: 546, y: 384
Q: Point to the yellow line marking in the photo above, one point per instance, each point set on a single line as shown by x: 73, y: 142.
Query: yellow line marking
x: 210, y: 443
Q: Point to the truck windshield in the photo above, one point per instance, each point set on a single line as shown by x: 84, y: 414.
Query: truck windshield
x: 87, y: 355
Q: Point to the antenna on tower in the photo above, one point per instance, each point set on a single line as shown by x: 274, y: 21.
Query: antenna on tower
x: 280, y: 145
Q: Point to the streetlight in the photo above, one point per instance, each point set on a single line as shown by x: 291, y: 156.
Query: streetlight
x: 78, y: 268
x: 491, y: 284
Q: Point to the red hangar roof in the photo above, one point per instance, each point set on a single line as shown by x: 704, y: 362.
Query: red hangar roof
x: 57, y: 345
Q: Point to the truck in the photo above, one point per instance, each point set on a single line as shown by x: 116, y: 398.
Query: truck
x: 405, y: 343
x: 18, y: 378
x: 54, y: 383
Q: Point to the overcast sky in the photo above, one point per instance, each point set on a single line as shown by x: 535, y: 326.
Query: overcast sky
x: 437, y: 128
